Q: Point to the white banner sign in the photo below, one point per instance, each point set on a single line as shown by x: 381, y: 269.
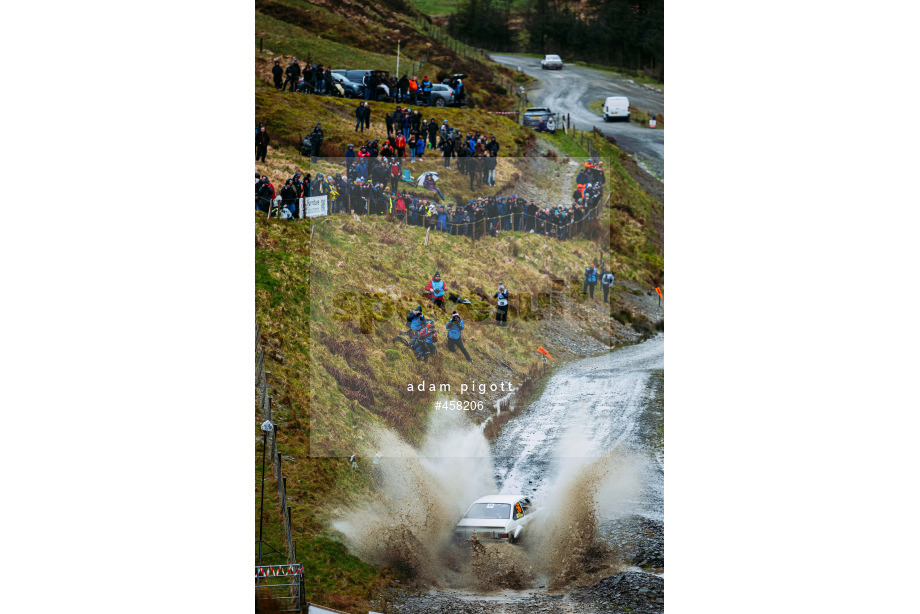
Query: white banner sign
x: 314, y: 206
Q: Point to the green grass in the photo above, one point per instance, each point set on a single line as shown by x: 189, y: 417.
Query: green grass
x: 281, y: 38
x: 636, y: 115
x: 366, y: 36
x: 290, y: 299
x: 596, y: 107
x: 622, y: 73
x: 566, y: 143
x: 289, y: 116
x: 374, y: 254
x: 448, y: 7
x: 436, y: 7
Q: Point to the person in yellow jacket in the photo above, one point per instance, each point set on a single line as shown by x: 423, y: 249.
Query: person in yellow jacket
x: 389, y: 197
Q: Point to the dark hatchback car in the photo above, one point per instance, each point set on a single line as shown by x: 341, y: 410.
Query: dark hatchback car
x: 352, y: 89
x: 357, y: 76
x: 534, y: 115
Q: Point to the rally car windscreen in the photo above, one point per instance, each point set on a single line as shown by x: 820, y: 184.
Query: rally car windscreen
x: 491, y: 511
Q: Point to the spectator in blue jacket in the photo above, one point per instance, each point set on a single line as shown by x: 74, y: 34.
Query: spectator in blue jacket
x: 412, y: 319
x: 503, y: 214
x: 590, y: 280
x: 442, y: 218
x: 420, y: 148
x: 361, y: 169
x: 454, y: 332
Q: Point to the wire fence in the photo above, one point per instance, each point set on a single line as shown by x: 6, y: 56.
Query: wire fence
x: 479, y: 228
x: 264, y: 403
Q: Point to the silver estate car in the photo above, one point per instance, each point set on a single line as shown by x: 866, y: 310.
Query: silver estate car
x: 496, y: 517
x: 551, y: 62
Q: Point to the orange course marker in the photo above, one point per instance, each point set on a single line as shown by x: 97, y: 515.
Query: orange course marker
x: 544, y: 352
x: 658, y: 290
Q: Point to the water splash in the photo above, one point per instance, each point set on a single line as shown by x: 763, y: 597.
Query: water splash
x: 422, y: 493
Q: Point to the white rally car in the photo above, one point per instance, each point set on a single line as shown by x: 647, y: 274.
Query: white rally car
x: 551, y: 62
x: 496, y: 517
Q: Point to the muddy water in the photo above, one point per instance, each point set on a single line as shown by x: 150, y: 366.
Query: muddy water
x: 584, y: 454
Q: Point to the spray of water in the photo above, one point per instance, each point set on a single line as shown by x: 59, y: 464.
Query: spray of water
x: 422, y: 493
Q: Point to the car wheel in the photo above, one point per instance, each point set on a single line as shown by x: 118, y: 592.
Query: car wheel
x: 439, y: 102
x: 511, y: 538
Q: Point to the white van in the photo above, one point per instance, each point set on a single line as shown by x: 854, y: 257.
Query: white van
x: 616, y: 107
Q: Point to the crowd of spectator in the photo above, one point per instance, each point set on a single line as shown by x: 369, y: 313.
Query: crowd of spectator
x: 377, y: 85
x: 372, y: 186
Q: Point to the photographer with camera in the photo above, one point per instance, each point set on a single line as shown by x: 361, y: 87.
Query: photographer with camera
x: 414, y: 320
x: 454, y: 332
x: 501, y: 311
x: 435, y: 289
x: 425, y: 338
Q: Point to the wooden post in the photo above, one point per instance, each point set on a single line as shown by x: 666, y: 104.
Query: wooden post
x: 260, y: 44
x: 427, y: 234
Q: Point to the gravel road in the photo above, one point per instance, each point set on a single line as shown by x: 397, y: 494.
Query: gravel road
x: 571, y: 89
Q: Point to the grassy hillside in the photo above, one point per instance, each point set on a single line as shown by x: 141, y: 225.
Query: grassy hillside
x: 289, y: 116
x: 319, y: 376
x: 364, y: 35
x: 636, y: 219
x: 334, y: 375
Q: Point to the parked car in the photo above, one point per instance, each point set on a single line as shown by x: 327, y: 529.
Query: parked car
x: 496, y: 517
x: 616, y: 107
x: 352, y: 89
x: 551, y: 62
x: 357, y: 76
x: 534, y: 115
x: 442, y: 95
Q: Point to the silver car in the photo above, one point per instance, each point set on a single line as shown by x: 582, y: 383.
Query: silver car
x: 551, y: 62
x: 442, y: 95
x: 496, y: 517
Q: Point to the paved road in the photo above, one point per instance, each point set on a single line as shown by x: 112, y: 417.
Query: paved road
x: 571, y: 89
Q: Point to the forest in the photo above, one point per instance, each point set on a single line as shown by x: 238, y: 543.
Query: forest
x: 618, y: 33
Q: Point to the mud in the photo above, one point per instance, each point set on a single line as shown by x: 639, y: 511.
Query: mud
x: 409, y: 525
x: 630, y: 591
x: 583, y: 452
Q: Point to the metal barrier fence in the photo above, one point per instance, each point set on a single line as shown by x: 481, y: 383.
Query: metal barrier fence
x: 474, y: 229
x: 282, y: 584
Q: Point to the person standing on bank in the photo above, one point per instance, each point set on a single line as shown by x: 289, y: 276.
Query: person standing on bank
x: 277, y: 72
x: 435, y: 288
x: 590, y: 280
x: 501, y: 310
x: 454, y: 332
x: 606, y: 282
x: 261, y: 144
